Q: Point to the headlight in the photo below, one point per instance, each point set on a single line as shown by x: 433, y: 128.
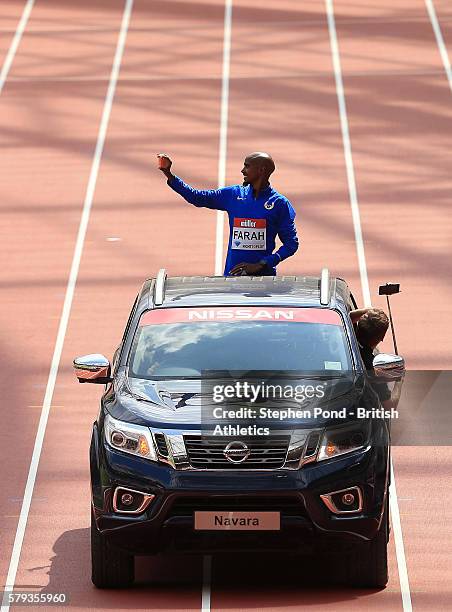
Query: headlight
x: 341, y: 440
x: 129, y: 438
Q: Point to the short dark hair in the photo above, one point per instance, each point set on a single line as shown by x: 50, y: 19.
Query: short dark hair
x: 263, y: 159
x: 372, y: 325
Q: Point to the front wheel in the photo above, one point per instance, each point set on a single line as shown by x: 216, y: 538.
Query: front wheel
x: 368, y: 568
x: 111, y: 568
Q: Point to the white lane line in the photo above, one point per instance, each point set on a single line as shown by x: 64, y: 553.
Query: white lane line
x: 15, y: 43
x: 400, y: 550
x: 206, y: 583
x: 395, y: 514
x: 348, y: 154
x: 222, y: 156
x: 22, y: 523
x: 223, y: 147
x: 439, y: 40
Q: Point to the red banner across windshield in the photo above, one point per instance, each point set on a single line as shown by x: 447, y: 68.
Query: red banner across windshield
x: 233, y: 314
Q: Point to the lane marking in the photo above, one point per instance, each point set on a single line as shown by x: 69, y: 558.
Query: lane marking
x: 348, y: 154
x: 206, y: 583
x: 15, y: 43
x: 394, y: 506
x: 398, y: 539
x: 40, y: 406
x: 223, y: 146
x: 439, y: 40
x: 28, y: 494
x: 222, y: 156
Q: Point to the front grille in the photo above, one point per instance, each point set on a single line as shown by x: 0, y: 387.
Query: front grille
x: 288, y: 505
x: 206, y: 452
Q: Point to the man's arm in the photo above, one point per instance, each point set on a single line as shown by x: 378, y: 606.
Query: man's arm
x: 395, y: 397
x: 355, y: 315
x: 287, y: 233
x: 216, y: 199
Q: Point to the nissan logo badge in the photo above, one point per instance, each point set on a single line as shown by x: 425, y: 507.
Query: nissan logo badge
x: 236, y: 452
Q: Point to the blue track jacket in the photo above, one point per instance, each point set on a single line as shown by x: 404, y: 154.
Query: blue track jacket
x: 253, y: 223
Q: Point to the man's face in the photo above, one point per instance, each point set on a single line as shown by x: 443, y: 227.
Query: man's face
x: 251, y: 170
x: 375, y: 341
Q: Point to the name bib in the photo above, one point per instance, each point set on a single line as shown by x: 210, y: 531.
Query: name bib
x: 249, y: 234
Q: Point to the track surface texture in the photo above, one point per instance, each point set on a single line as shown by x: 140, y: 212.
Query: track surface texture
x: 282, y: 98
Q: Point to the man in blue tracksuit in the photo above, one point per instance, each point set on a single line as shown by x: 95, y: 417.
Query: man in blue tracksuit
x: 257, y: 214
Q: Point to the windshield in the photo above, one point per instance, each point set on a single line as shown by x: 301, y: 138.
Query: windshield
x: 184, y: 342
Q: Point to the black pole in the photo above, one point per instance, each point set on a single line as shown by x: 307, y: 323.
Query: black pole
x: 392, y: 326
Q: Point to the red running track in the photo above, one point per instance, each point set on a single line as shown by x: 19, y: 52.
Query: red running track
x: 283, y: 99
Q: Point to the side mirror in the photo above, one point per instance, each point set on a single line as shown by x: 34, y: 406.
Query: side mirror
x: 93, y: 369
x: 390, y: 368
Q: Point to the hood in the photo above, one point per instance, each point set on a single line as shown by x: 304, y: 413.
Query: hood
x: 188, y: 403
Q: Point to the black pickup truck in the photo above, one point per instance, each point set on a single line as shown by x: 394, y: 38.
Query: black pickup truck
x: 298, y: 473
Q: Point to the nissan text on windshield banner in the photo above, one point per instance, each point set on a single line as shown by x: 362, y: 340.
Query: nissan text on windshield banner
x: 233, y: 314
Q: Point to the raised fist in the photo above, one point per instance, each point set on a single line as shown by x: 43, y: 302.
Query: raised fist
x: 164, y: 161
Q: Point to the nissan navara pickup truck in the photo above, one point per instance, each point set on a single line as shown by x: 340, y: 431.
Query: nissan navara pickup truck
x: 172, y: 469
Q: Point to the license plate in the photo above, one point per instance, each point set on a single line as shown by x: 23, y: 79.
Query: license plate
x: 237, y: 521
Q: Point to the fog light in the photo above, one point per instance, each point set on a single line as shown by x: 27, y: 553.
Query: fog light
x: 344, y: 501
x: 127, y: 499
x: 130, y: 501
x: 348, y: 499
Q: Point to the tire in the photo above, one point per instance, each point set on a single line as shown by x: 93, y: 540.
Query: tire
x: 368, y: 568
x: 111, y: 568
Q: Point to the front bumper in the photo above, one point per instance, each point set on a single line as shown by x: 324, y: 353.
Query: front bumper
x: 306, y: 522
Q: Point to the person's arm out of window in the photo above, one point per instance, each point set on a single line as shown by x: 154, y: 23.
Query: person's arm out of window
x: 355, y: 315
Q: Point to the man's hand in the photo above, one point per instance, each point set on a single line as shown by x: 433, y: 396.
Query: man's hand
x: 165, y: 164
x: 395, y: 396
x: 247, y: 269
x: 355, y: 315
